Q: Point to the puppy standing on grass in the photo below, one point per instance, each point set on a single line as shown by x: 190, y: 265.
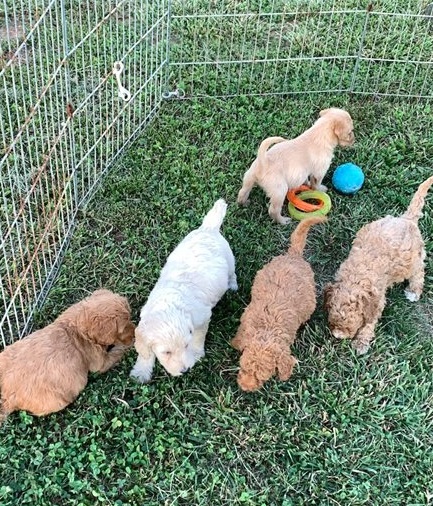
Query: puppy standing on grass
x: 46, y: 371
x: 291, y: 163
x: 384, y: 252
x: 283, y: 297
x: 174, y: 320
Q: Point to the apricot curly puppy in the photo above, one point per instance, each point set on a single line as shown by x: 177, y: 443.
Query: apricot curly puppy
x: 46, y: 371
x: 384, y: 252
x: 283, y: 297
x: 293, y: 162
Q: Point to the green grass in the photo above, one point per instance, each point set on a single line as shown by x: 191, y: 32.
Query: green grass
x: 345, y: 430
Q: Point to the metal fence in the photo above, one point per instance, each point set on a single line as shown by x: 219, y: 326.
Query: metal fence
x: 79, y: 80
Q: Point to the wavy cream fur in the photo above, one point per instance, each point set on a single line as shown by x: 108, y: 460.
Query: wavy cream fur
x: 174, y: 320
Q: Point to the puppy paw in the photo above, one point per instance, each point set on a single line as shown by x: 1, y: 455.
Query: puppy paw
x: 361, y: 347
x: 322, y: 188
x: 412, y: 296
x: 140, y: 373
x: 233, y: 284
x: 283, y: 220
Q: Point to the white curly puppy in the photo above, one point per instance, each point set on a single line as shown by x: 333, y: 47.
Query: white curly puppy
x: 174, y: 320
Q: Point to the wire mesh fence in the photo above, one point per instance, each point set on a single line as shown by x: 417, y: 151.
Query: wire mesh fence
x: 226, y: 48
x: 63, y: 123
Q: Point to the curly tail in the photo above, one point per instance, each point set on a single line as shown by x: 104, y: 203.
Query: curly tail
x: 215, y: 216
x: 299, y: 235
x: 265, y: 145
x: 414, y: 211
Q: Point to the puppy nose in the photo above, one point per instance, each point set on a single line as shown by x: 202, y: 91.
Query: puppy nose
x: 184, y: 369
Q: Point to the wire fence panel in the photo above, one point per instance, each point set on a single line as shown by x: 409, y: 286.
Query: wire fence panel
x: 226, y: 48
x: 63, y: 123
x: 80, y: 79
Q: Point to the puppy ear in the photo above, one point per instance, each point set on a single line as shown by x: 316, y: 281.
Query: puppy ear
x: 285, y: 365
x: 238, y: 342
x: 371, y: 303
x: 142, y: 344
x: 327, y: 295
x: 323, y: 112
x: 104, y: 330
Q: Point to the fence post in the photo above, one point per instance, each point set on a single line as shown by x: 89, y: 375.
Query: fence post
x: 361, y: 46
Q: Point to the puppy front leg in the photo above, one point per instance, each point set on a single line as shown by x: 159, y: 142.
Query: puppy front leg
x: 113, y: 357
x: 198, y: 339
x: 316, y: 184
x: 143, y: 368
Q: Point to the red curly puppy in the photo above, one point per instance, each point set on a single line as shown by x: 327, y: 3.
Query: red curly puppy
x: 46, y: 371
x: 283, y: 297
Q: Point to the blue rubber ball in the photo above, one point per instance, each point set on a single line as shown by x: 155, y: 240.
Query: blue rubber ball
x: 348, y: 178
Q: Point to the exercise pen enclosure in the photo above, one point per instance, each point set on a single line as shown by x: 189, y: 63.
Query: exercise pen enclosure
x: 65, y: 118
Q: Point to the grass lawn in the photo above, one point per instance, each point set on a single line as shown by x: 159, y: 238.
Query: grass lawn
x: 345, y: 430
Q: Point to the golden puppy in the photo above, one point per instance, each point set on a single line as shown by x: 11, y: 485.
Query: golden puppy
x: 46, y: 371
x: 290, y: 163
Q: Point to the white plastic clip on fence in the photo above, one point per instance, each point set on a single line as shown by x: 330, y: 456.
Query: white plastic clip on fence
x: 124, y: 94
x: 177, y: 93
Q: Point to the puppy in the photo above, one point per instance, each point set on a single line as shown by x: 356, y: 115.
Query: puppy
x: 384, y: 252
x: 174, y: 320
x: 283, y: 297
x: 290, y: 163
x: 46, y: 371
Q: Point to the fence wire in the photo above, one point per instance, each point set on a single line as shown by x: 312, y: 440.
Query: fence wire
x: 256, y: 47
x: 63, y: 124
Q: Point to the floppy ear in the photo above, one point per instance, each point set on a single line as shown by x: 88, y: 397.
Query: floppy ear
x: 285, y: 364
x: 142, y: 345
x: 323, y: 112
x: 371, y: 305
x: 103, y: 330
x: 327, y: 294
x: 238, y: 342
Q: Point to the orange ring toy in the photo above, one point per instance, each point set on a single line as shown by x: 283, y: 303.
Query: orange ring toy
x: 301, y: 204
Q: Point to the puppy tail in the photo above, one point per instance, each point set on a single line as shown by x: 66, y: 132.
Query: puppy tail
x: 265, y: 145
x: 414, y: 211
x: 215, y: 216
x: 299, y: 235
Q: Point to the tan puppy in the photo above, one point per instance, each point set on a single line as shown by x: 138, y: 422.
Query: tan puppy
x: 384, y: 252
x: 46, y: 371
x: 291, y: 163
x: 283, y: 297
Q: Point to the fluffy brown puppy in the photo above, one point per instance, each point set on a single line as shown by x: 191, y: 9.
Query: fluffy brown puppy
x: 283, y: 297
x: 46, y: 371
x: 384, y: 252
x: 291, y: 163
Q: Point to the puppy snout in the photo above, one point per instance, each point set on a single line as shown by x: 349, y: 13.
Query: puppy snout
x: 184, y: 369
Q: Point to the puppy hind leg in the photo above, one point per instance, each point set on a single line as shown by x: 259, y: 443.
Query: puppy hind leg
x: 416, y: 281
x: 248, y: 183
x: 278, y: 196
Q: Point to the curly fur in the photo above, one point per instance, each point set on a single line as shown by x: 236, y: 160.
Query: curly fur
x: 283, y: 297
x: 384, y: 252
x: 46, y: 371
x: 290, y: 163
